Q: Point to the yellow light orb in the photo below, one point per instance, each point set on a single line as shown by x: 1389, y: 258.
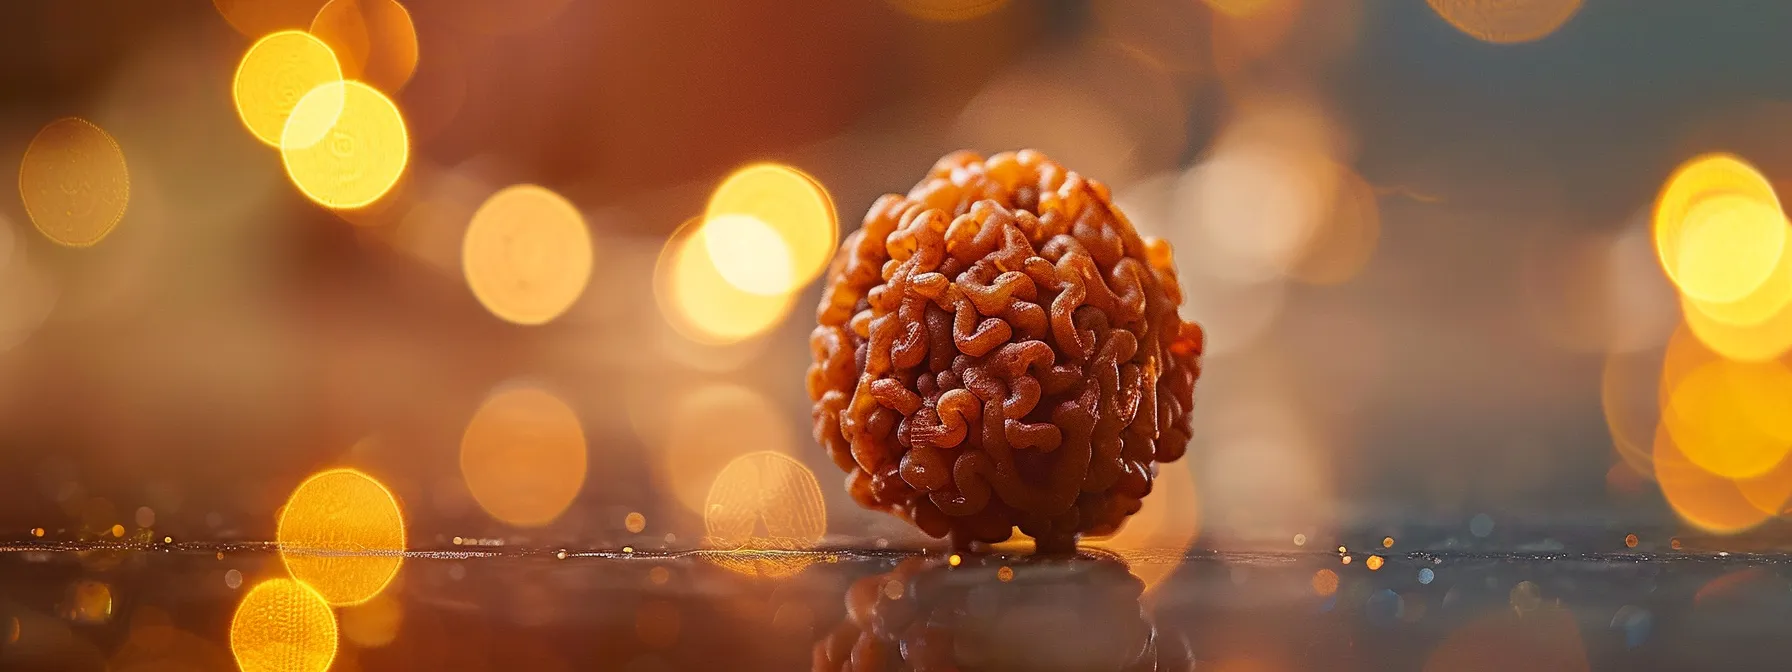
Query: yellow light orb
x: 1719, y: 231
x: 527, y: 254
x: 1766, y: 341
x: 342, y: 533
x: 374, y: 39
x: 761, y: 504
x: 749, y: 254
x: 1768, y: 301
x: 702, y: 305
x: 73, y: 182
x: 345, y: 145
x: 283, y: 625
x: 1708, y: 501
x: 1506, y: 21
x: 275, y: 73
x: 1729, y: 418
x: 523, y: 456
x: 793, y: 205
x: 710, y: 427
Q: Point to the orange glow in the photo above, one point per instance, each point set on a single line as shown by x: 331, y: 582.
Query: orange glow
x: 634, y: 522
x: 523, y: 456
x: 1238, y: 8
x: 769, y: 229
x: 1765, y: 303
x: 374, y: 623
x: 88, y: 602
x: 1005, y: 574
x: 1729, y: 418
x: 1711, y: 503
x: 1630, y: 541
x: 710, y: 427
x: 1154, y: 540
x: 1719, y: 231
x: 1762, y: 342
x: 1545, y: 640
x: 274, y: 74
x: 947, y: 10
x: 73, y: 182
x: 702, y: 305
x: 342, y: 533
x: 374, y: 40
x: 254, y: 18
x: 1630, y: 399
x: 1346, y: 239
x: 1506, y: 21
x: 1325, y: 583
x: 763, y: 503
x: 527, y: 254
x: 344, y: 146
x: 1374, y: 563
x: 283, y: 625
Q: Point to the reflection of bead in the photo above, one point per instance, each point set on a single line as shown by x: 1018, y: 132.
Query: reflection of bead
x: 1001, y: 349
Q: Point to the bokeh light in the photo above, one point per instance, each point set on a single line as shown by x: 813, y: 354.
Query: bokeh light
x: 74, y: 182
x: 1719, y: 230
x: 947, y: 10
x: 1709, y: 502
x: 527, y: 254
x: 374, y: 623
x: 283, y: 625
x: 1762, y: 342
x: 345, y: 145
x: 703, y: 306
x: 791, y: 207
x: 1325, y: 583
x: 1154, y: 540
x: 342, y: 533
x: 708, y: 428
x: 1506, y: 21
x: 1730, y: 418
x: 255, y: 18
x: 373, y: 39
x: 763, y: 503
x: 524, y: 456
x: 274, y: 74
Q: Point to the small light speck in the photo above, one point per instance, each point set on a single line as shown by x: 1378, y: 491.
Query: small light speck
x: 1426, y: 576
x: 457, y: 541
x: 1005, y: 574
x: 561, y: 555
x: 1481, y: 525
x: 883, y: 543
x: 893, y: 589
x: 1300, y: 540
x: 954, y: 560
x: 1674, y: 543
x: 234, y: 579
x: 1341, y: 549
x: 167, y: 540
x: 1630, y: 541
x: 220, y: 555
x: 1387, y: 542
x: 628, y: 549
x: 1373, y: 563
x: 1346, y: 559
x: 37, y: 532
x: 634, y: 522
x: 1723, y: 554
x: 118, y: 531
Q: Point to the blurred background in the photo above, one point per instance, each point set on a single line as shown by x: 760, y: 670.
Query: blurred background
x: 1422, y: 236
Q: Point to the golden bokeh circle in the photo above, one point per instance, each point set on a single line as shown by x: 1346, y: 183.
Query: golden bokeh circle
x: 1707, y: 501
x: 523, y: 456
x: 1761, y: 342
x: 74, y: 182
x: 1718, y: 227
x: 283, y: 625
x: 375, y: 40
x: 709, y: 427
x: 274, y: 74
x: 762, y: 506
x: 794, y: 206
x: 1729, y: 418
x: 342, y: 533
x: 345, y: 145
x: 703, y: 306
x: 1506, y: 21
x: 526, y: 254
x: 749, y: 254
